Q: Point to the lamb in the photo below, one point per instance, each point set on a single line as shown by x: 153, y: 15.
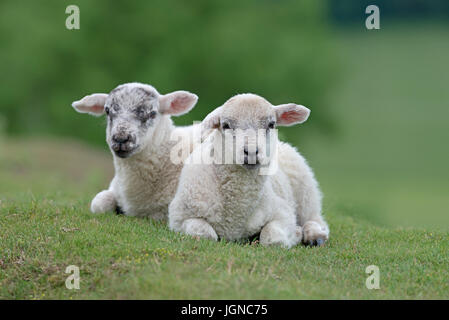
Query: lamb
x: 235, y: 200
x: 139, y: 130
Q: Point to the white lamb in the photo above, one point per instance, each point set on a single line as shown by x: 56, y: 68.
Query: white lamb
x: 234, y: 201
x: 138, y: 133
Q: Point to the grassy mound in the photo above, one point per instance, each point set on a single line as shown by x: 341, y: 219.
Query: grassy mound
x: 45, y: 226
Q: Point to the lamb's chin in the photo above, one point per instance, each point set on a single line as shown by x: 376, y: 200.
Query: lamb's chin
x: 124, y: 154
x: 251, y: 166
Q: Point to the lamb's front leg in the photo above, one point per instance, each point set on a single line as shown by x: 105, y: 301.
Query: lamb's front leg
x: 315, y: 228
x: 199, y: 227
x: 278, y: 232
x: 103, y: 202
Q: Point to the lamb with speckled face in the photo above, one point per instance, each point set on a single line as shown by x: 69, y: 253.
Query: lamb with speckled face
x: 235, y: 201
x: 138, y: 133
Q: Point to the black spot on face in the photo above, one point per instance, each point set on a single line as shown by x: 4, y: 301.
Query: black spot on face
x: 141, y: 111
x: 144, y: 113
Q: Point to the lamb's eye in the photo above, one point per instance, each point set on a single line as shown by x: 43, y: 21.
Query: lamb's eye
x: 271, y: 125
x: 225, y: 126
x: 153, y: 114
x: 106, y: 110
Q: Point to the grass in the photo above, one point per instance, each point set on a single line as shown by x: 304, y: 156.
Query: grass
x: 45, y: 231
x: 384, y: 178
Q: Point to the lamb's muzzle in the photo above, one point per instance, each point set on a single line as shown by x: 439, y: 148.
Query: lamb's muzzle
x: 123, y: 144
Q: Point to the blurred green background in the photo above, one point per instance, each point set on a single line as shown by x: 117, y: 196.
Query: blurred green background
x: 377, y: 137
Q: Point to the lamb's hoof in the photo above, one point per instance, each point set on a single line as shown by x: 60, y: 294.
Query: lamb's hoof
x: 314, y: 234
x: 316, y: 243
x: 119, y: 211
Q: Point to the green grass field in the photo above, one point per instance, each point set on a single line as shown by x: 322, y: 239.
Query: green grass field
x: 386, y: 197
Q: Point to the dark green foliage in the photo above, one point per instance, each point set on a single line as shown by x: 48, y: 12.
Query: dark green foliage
x: 278, y: 49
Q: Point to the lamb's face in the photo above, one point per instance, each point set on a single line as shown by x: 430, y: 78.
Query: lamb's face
x: 132, y: 113
x: 246, y: 128
x: 248, y: 121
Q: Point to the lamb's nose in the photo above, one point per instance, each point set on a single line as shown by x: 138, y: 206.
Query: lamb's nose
x: 245, y: 150
x: 121, y: 138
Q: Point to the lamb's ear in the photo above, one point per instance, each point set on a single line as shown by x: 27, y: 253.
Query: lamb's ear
x: 177, y: 102
x: 92, y: 104
x: 212, y: 120
x: 290, y: 114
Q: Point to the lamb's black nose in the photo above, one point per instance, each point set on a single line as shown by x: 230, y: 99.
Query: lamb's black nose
x: 121, y: 138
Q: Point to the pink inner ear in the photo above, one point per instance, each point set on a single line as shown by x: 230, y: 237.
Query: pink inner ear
x: 96, y: 109
x: 290, y: 116
x: 179, y: 104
